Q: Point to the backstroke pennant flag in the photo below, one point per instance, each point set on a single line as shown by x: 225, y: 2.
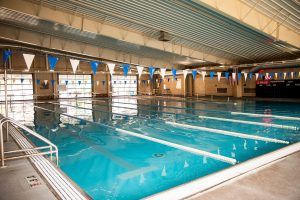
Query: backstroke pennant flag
x: 174, y: 73
x: 233, y: 76
x: 22, y: 80
x: 6, y: 55
x: 284, y: 75
x: 162, y: 72
x: 140, y: 70
x: 28, y: 59
x: 250, y: 75
x: 256, y: 76
x: 94, y: 66
x: 275, y: 75
x: 185, y: 72
x: 74, y: 64
x: 203, y: 75
x: 245, y: 76
x: 219, y: 76
x: 227, y: 75
x: 45, y: 82
x: 292, y: 74
x: 126, y: 68
x: 239, y: 76
x: 261, y: 76
x: 52, y: 82
x: 211, y: 74
x: 111, y: 68
x: 151, y: 71
x: 52, y: 62
x: 194, y: 74
x: 38, y: 81
x: 103, y: 82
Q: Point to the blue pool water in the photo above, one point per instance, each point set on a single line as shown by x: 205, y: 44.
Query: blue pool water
x: 108, y: 164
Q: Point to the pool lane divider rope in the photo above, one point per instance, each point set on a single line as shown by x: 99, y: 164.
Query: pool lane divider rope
x: 218, y: 131
x: 250, y: 122
x: 201, y: 116
x: 215, y: 111
x: 174, y: 145
x: 229, y: 133
x: 266, y: 115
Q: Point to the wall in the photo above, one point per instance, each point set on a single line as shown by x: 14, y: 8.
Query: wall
x: 170, y: 86
x: 144, y: 88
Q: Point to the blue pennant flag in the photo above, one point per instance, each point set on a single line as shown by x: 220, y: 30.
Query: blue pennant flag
x: 94, y: 66
x: 52, y: 62
x: 6, y: 55
x: 66, y: 81
x: 79, y: 82
x: 52, y: 82
x: 272, y: 74
x: 125, y: 82
x: 134, y: 81
x: 288, y: 74
x: 239, y: 76
x: 261, y: 76
x: 115, y: 82
x: 211, y: 74
x: 22, y: 80
x: 194, y: 74
x: 103, y: 82
x: 174, y: 73
x: 161, y: 80
x: 144, y: 81
x: 250, y: 76
x: 126, y: 68
x: 151, y: 71
x: 280, y: 75
x: 227, y: 75
x: 38, y: 81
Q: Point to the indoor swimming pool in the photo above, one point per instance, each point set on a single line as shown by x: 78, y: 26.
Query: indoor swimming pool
x: 134, y: 147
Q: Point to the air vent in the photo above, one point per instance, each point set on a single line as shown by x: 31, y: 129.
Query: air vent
x: 222, y: 90
x: 164, y: 36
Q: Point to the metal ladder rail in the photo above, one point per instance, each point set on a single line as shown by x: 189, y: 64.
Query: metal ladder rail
x: 17, y: 124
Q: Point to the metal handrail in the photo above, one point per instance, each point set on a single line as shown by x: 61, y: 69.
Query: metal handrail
x: 13, y: 122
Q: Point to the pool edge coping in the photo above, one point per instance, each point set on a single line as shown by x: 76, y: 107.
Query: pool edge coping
x: 212, y: 181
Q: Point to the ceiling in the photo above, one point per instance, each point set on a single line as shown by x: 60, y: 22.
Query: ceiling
x: 189, y: 24
x: 286, y: 12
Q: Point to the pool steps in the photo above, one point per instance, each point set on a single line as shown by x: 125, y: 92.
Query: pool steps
x: 62, y: 186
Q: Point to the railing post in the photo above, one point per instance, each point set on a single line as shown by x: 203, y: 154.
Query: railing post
x: 2, y: 146
x: 7, y: 136
x: 50, y: 152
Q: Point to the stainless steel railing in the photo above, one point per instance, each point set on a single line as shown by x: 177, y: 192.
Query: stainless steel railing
x: 29, y: 151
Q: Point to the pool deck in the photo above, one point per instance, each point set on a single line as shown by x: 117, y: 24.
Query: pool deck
x: 277, y: 181
x: 13, y: 184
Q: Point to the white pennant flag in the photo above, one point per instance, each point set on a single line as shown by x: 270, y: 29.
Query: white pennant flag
x: 233, y: 76
x: 162, y: 72
x: 185, y: 72
x: 219, y: 75
x: 275, y: 75
x: 74, y: 64
x: 28, y: 59
x: 30, y: 81
x: 284, y: 75
x: 140, y: 70
x: 148, y: 81
x: 292, y: 74
x: 97, y: 82
x: 45, y: 82
x: 111, y: 68
x: 267, y: 74
x: 245, y: 75
x: 203, y: 74
x: 256, y: 76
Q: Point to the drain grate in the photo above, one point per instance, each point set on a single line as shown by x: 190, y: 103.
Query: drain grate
x: 33, y: 181
x: 158, y: 155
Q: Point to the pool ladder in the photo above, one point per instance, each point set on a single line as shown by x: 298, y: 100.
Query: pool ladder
x: 29, y: 152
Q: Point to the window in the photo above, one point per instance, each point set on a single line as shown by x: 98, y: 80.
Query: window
x: 124, y: 85
x: 72, y: 86
x: 19, y: 87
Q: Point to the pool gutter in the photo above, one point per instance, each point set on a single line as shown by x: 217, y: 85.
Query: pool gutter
x: 222, y: 177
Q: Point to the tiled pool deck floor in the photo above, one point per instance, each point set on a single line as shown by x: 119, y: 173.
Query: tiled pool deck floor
x: 13, y: 183
x: 280, y: 180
